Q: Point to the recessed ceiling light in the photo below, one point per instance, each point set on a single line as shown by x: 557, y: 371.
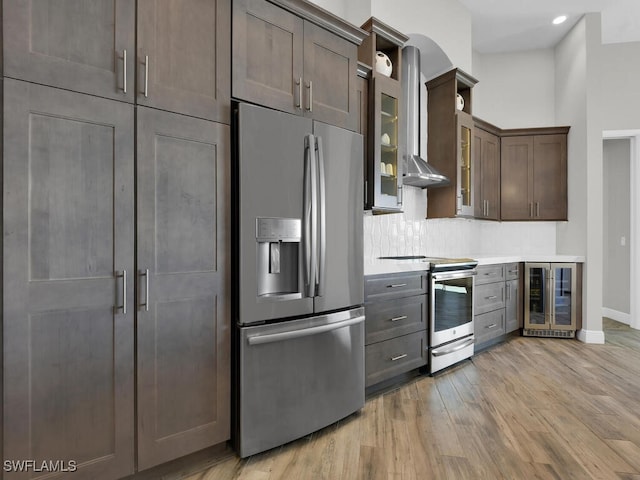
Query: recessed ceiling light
x: 560, y: 19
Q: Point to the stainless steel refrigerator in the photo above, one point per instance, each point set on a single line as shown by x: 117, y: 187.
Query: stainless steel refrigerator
x: 300, y: 284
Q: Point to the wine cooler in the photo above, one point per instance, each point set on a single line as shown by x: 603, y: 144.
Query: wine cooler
x: 552, y: 304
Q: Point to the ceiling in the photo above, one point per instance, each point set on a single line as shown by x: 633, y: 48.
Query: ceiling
x: 516, y: 25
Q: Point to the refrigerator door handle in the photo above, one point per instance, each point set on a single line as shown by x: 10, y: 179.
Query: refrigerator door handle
x: 303, y: 332
x: 309, y: 218
x: 322, y: 235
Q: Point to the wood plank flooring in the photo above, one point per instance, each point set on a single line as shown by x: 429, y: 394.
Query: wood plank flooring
x: 530, y: 408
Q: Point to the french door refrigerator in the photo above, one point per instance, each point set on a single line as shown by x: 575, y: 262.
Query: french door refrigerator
x: 300, y: 281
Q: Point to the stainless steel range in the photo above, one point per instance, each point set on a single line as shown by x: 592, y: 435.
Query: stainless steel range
x: 451, y: 335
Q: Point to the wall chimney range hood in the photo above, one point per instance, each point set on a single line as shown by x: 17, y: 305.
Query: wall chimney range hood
x: 417, y: 172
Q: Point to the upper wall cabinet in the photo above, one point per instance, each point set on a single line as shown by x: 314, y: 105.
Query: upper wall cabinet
x: 283, y: 61
x: 486, y: 160
x: 183, y: 57
x: 383, y: 165
x: 82, y: 45
x: 534, y: 174
x: 450, y: 143
x: 181, y: 63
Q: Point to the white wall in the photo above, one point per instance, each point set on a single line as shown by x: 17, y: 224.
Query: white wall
x: 578, y: 103
x: 620, y: 88
x: 515, y: 90
x: 446, y: 22
x: 617, y: 203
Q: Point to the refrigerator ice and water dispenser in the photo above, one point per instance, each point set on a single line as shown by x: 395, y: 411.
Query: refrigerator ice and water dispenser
x: 278, y: 244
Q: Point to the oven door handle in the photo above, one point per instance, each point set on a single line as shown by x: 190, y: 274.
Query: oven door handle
x: 454, y: 275
x: 439, y: 353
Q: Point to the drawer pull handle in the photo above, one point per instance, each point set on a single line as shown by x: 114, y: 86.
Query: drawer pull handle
x: 393, y: 359
x: 395, y: 319
x: 397, y: 285
x: 492, y: 297
x: 490, y: 274
x: 493, y: 325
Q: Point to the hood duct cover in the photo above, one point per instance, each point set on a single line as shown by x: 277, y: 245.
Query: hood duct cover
x: 417, y: 172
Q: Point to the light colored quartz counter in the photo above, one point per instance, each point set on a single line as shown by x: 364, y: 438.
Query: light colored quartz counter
x: 376, y: 267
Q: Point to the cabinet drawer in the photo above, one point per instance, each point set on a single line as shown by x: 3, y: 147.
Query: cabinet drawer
x: 394, y: 318
x: 488, y: 326
x: 386, y: 359
x: 489, y: 274
x: 512, y: 271
x: 488, y: 297
x: 386, y: 287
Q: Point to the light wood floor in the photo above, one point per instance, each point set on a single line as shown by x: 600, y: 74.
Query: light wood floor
x: 528, y: 408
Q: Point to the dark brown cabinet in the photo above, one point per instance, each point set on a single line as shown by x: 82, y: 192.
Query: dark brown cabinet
x: 498, y: 302
x: 534, y: 174
x: 514, y: 297
x: 181, y: 62
x: 183, y: 348
x: 486, y: 160
x: 183, y: 57
x: 396, y: 306
x: 81, y: 45
x: 68, y: 303
x: 75, y: 300
x: 286, y: 62
x: 362, y: 93
x: 383, y: 160
x: 450, y: 144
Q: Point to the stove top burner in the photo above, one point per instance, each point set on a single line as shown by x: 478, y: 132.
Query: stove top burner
x: 439, y: 264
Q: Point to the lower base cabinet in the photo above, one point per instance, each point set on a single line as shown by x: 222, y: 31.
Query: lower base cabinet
x: 497, y: 302
x: 81, y: 304
x: 396, y: 309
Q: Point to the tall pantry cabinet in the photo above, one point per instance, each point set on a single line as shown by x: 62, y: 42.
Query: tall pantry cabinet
x: 115, y: 232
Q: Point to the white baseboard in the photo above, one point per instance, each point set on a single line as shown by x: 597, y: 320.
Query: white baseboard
x: 616, y: 315
x: 590, y: 336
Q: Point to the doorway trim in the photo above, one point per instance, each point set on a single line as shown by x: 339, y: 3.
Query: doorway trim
x: 634, y: 223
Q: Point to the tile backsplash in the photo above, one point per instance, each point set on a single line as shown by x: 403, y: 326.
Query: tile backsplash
x: 408, y: 233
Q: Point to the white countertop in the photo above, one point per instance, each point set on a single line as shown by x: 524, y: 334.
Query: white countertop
x: 377, y: 267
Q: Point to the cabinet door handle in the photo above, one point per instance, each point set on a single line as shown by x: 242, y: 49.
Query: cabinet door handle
x: 400, y: 192
x: 145, y: 274
x: 538, y: 209
x: 310, y: 87
x: 146, y: 76
x: 123, y: 275
x: 492, y: 297
x: 397, y: 285
x: 124, y: 71
x: 398, y: 357
x: 508, y: 291
x: 396, y: 319
x: 299, y: 83
x: 493, y: 325
x: 531, y: 209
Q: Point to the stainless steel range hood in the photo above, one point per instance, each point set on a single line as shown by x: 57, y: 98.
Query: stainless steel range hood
x: 417, y: 172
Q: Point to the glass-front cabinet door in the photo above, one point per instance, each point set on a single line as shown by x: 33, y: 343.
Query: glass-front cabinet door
x: 387, y: 191
x: 465, y: 164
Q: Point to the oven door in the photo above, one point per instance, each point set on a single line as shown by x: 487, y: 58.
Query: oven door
x: 451, y: 312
